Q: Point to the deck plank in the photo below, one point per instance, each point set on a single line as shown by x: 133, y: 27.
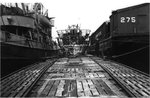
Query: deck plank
x: 80, y: 90
x: 60, y: 88
x: 47, y: 88
x: 54, y: 88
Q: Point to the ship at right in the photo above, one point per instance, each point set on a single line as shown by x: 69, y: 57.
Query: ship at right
x: 124, y: 37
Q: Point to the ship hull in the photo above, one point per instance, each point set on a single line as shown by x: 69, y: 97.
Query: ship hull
x: 15, y: 57
x: 138, y: 60
x: 75, y: 50
x: 9, y: 51
x: 134, y: 53
x: 124, y: 45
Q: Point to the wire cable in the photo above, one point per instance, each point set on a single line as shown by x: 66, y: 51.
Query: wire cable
x: 115, y: 56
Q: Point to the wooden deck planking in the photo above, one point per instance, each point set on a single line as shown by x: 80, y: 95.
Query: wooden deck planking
x: 86, y: 88
x: 60, y: 89
x: 88, y: 79
x: 54, y: 88
x: 80, y: 90
x: 100, y: 89
x: 47, y: 88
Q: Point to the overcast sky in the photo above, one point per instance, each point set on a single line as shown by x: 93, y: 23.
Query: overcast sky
x: 89, y: 14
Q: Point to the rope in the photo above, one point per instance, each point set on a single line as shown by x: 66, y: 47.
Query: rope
x: 130, y: 52
x: 135, y: 41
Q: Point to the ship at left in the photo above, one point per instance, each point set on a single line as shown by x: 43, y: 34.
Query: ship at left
x: 25, y: 32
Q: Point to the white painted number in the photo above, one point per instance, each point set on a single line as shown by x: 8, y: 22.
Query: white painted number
x: 127, y: 19
x: 122, y: 20
x: 133, y: 19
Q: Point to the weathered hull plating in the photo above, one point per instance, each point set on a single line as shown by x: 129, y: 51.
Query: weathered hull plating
x: 15, y: 52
